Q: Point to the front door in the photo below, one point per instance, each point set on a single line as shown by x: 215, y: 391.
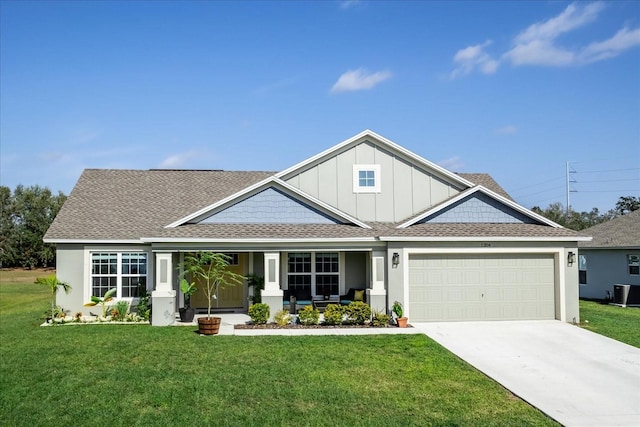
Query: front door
x: 228, y: 297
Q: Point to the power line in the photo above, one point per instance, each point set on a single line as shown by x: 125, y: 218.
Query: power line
x: 539, y: 183
x: 612, y: 180
x: 609, y: 170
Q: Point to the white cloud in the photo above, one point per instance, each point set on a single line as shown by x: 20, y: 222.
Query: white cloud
x: 359, y: 79
x: 454, y: 163
x: 507, y: 130
x: 538, y: 44
x: 571, y: 18
x: 177, y: 161
x: 347, y: 4
x: 621, y: 41
x: 472, y: 57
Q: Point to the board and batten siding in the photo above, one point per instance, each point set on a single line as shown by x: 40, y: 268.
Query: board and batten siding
x: 406, y: 189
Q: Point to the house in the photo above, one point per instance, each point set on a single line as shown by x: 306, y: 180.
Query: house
x: 366, y: 213
x: 612, y: 257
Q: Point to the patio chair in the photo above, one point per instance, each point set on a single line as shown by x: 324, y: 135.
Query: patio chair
x: 353, y: 294
x: 296, y: 299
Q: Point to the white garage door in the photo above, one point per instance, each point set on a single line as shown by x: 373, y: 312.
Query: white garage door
x: 481, y: 287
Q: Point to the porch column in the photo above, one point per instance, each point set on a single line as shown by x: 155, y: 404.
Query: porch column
x: 272, y: 294
x: 163, y: 297
x: 376, y: 294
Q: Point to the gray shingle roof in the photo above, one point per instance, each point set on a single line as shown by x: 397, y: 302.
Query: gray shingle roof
x: 620, y: 232
x: 134, y: 204
x: 129, y: 204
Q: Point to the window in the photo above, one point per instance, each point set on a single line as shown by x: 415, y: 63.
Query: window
x: 582, y: 270
x: 634, y: 264
x: 317, y: 273
x: 233, y: 259
x: 366, y: 178
x: 124, y: 271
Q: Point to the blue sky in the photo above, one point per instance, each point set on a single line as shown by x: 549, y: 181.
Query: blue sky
x: 514, y: 89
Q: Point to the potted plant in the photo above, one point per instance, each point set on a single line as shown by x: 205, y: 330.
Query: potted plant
x: 257, y: 283
x: 399, y: 311
x: 213, y: 272
x: 53, y: 284
x: 188, y: 288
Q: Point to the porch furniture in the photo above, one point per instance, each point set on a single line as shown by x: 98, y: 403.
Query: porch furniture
x: 295, y: 299
x: 321, y: 304
x: 353, y: 294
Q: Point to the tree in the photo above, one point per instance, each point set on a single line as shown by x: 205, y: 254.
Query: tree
x: 627, y: 204
x: 26, y: 216
x: 53, y: 284
x: 213, y: 270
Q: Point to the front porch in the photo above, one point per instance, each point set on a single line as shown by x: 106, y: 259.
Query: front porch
x: 319, y: 275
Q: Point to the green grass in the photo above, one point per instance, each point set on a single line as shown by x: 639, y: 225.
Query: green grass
x: 143, y: 375
x: 619, y: 323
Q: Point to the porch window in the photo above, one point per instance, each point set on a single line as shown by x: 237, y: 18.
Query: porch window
x: 317, y: 273
x: 124, y: 271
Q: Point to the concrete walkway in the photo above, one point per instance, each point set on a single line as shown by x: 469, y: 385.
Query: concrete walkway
x: 575, y: 376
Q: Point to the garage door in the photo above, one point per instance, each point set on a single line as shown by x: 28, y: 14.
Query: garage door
x: 481, y: 287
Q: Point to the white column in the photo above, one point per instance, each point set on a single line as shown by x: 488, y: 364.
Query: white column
x: 272, y: 294
x: 376, y: 295
x: 163, y: 298
x: 272, y: 274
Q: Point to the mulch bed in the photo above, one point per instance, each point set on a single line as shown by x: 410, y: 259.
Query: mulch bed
x: 298, y: 326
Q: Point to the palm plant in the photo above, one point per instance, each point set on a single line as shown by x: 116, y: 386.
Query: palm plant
x: 102, y: 301
x: 53, y: 284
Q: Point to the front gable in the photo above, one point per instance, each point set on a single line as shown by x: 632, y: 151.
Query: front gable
x: 269, y: 206
x: 478, y: 205
x: 478, y: 208
x: 374, y: 179
x: 270, y: 201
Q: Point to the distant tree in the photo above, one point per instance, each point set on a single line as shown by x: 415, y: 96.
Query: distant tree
x: 573, y: 220
x: 26, y: 216
x: 627, y: 204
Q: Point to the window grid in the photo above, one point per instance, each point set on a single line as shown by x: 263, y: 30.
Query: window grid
x: 124, y: 271
x: 367, y: 178
x: 318, y: 271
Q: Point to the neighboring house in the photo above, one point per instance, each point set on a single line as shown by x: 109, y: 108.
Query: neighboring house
x: 366, y: 213
x: 612, y: 257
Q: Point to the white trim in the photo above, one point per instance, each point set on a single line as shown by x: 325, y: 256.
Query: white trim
x: 383, y: 141
x: 484, y: 239
x: 559, y: 267
x: 377, y: 179
x: 487, y: 192
x: 250, y: 240
x: 87, y: 291
x: 95, y: 242
x: 255, y: 188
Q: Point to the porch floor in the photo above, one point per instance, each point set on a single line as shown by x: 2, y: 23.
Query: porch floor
x: 228, y: 320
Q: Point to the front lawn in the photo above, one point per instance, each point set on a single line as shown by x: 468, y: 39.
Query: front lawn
x: 619, y: 323
x: 143, y: 375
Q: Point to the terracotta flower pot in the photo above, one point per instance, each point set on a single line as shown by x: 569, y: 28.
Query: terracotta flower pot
x: 402, y: 322
x: 209, y: 326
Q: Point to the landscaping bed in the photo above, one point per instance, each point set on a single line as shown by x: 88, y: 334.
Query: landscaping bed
x: 299, y: 326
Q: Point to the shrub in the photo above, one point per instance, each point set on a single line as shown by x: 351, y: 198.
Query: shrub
x: 144, y: 307
x: 358, y: 312
x: 333, y: 314
x: 259, y: 313
x: 282, y: 317
x: 379, y: 319
x: 119, y: 311
x: 309, y: 316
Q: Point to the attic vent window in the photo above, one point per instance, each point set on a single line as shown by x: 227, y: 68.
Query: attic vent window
x: 366, y: 178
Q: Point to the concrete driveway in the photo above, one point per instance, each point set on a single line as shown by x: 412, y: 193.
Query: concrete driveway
x: 577, y: 377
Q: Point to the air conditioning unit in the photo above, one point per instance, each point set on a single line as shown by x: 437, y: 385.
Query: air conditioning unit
x: 626, y: 294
